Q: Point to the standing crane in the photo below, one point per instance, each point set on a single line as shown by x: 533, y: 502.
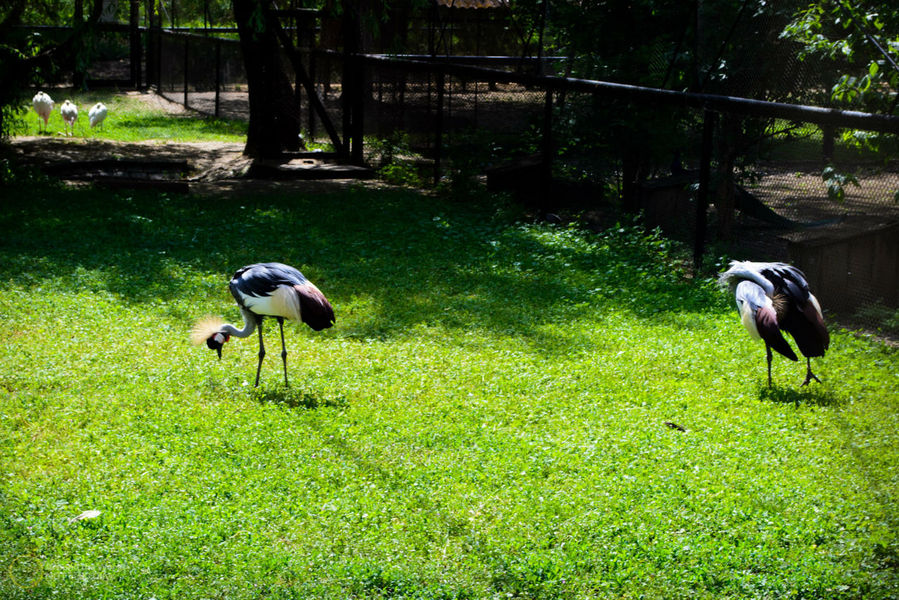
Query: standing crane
x: 97, y: 114
x: 267, y: 290
x: 43, y: 106
x: 69, y: 113
x: 774, y: 297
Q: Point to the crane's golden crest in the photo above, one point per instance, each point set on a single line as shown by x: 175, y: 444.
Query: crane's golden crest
x: 205, y: 328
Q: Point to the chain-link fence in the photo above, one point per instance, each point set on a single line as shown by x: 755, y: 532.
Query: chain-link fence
x: 779, y: 183
x: 203, y: 73
x: 785, y: 183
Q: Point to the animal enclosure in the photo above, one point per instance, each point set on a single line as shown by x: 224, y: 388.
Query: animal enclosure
x: 453, y: 119
x: 463, y: 120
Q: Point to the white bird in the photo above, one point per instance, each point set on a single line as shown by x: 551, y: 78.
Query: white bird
x: 267, y: 289
x: 43, y: 106
x: 775, y: 297
x: 96, y: 114
x: 69, y: 113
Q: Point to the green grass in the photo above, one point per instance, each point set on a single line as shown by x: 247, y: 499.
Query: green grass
x: 131, y: 119
x: 485, y: 420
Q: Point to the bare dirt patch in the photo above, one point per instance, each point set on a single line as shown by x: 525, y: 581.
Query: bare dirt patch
x: 154, y: 100
x: 799, y: 194
x: 208, y: 161
x: 211, y: 167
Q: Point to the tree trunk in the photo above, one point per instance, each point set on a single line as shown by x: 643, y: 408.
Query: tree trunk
x: 136, y: 49
x: 274, y: 116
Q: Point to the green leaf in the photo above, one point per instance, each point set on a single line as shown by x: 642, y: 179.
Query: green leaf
x: 836, y: 183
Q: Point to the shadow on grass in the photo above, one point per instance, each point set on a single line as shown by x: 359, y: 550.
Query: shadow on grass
x: 291, y: 398
x: 411, y: 259
x: 812, y: 396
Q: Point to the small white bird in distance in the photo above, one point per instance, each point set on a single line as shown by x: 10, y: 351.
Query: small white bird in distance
x: 97, y: 114
x: 43, y: 106
x: 69, y: 113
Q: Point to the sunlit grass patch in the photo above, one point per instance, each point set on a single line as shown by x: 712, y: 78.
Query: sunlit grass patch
x: 490, y: 416
x: 132, y: 118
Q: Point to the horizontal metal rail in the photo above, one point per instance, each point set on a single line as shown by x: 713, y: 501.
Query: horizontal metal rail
x: 723, y: 104
x: 475, y: 60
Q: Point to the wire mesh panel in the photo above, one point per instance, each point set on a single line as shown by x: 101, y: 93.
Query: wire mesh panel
x: 172, y: 50
x: 502, y: 108
x: 111, y: 57
x: 400, y: 100
x: 459, y: 31
x: 832, y: 213
x: 407, y: 100
x: 204, y: 73
x: 781, y: 187
x: 202, y: 69
x: 233, y: 92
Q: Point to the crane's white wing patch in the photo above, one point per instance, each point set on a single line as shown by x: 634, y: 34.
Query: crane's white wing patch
x: 280, y: 302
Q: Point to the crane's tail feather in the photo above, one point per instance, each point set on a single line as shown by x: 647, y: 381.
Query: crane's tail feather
x: 205, y: 328
x: 768, y: 330
x: 810, y: 332
x: 315, y: 310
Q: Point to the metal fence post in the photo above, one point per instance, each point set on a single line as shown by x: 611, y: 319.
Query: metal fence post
x: 358, y: 131
x: 312, y: 76
x: 153, y: 42
x: 546, y: 150
x: 352, y: 43
x: 186, y: 45
x: 702, y: 194
x: 827, y: 133
x: 134, y: 40
x: 438, y: 127
x: 218, y: 74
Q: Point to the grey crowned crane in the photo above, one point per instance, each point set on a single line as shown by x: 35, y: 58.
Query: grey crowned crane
x: 267, y: 290
x: 774, y: 297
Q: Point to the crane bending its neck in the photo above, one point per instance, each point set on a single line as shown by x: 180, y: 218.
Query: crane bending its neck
x: 249, y: 325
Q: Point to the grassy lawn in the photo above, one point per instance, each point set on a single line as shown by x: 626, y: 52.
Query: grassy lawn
x: 487, y: 418
x: 131, y: 119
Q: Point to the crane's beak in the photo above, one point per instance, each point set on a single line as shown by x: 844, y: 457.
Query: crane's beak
x: 219, y: 351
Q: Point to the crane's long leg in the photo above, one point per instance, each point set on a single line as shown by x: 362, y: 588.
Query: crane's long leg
x: 261, y: 351
x: 283, y: 349
x: 808, y: 372
x: 768, y: 352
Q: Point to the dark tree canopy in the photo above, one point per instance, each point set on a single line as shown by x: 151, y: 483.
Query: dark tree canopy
x: 860, y: 42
